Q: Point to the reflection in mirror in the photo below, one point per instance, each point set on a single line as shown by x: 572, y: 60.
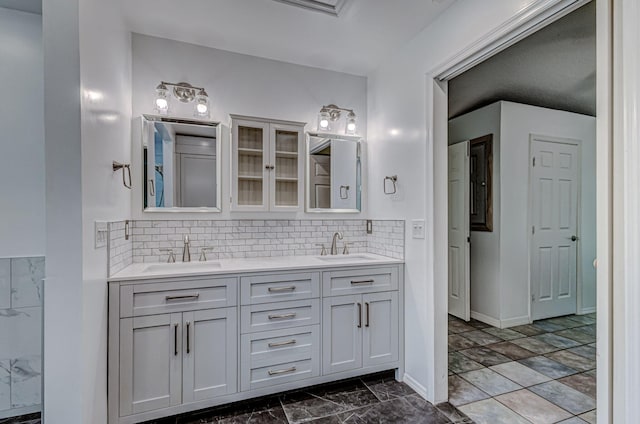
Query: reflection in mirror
x: 181, y: 169
x: 333, y: 174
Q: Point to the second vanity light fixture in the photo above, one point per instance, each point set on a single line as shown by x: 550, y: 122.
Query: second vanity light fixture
x: 184, y: 92
x: 331, y: 113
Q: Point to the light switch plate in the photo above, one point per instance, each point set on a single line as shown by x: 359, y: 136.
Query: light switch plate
x: 101, y: 234
x: 417, y: 228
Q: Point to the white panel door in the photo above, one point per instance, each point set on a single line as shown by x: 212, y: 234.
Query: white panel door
x: 458, y: 230
x: 341, y: 333
x: 381, y: 328
x: 150, y: 363
x: 554, y: 209
x: 210, y: 349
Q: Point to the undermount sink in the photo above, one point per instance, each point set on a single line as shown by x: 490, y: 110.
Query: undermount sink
x: 345, y: 258
x: 182, y: 266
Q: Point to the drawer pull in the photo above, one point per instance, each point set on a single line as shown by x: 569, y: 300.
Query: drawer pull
x: 279, y: 344
x: 281, y: 289
x: 182, y: 297
x: 288, y: 370
x: 283, y: 316
x: 362, y: 282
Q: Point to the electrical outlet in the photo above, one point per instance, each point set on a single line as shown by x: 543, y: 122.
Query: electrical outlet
x: 102, y: 233
x: 417, y: 226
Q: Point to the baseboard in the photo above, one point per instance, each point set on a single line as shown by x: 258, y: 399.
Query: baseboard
x: 512, y: 322
x: 485, y: 318
x: 585, y: 311
x: 419, y: 388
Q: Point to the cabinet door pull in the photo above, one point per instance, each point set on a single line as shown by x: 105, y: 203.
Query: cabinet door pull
x: 359, y: 315
x: 279, y: 344
x: 362, y: 282
x: 288, y: 370
x: 281, y: 289
x: 181, y: 297
x: 366, y: 306
x: 175, y: 339
x: 188, y: 337
x: 283, y: 316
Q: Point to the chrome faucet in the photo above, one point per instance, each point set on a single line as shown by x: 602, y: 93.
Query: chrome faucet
x: 334, y: 247
x: 186, y: 254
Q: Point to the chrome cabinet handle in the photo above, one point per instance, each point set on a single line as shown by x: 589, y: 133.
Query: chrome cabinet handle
x: 188, y: 342
x: 288, y: 370
x: 281, y: 289
x: 362, y: 282
x: 175, y: 339
x: 283, y: 316
x: 366, y: 304
x: 280, y: 344
x: 359, y: 315
x: 181, y: 297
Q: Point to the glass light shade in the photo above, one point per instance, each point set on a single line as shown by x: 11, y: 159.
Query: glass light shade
x: 201, y: 109
x: 161, y: 102
x: 351, y: 126
x: 324, y: 120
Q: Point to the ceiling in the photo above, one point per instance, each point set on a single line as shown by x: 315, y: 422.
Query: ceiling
x: 30, y: 6
x: 553, y: 68
x: 363, y: 35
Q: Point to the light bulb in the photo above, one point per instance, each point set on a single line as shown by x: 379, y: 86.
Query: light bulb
x: 161, y: 103
x: 202, y: 108
x: 351, y: 123
x: 202, y: 104
x: 323, y: 120
x: 324, y: 123
x: 351, y: 126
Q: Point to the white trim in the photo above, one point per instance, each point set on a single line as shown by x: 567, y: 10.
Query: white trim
x: 512, y: 322
x: 584, y: 311
x: 494, y: 322
x: 413, y: 383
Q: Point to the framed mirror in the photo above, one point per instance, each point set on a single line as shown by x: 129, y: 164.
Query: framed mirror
x: 181, y: 165
x: 333, y: 173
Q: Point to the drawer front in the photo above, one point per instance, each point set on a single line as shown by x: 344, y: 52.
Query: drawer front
x: 282, y: 373
x: 274, y: 347
x: 338, y: 283
x: 274, y: 316
x: 178, y: 296
x: 277, y: 288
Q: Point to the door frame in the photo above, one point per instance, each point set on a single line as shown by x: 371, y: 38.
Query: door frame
x: 558, y: 140
x: 528, y: 20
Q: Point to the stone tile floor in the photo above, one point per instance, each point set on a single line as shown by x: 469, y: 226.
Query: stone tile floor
x: 375, y: 398
x: 538, y: 373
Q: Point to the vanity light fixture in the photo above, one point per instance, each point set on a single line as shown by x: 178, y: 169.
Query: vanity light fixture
x: 184, y: 92
x: 331, y: 113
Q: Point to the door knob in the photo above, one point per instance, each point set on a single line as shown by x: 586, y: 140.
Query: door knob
x: 574, y: 238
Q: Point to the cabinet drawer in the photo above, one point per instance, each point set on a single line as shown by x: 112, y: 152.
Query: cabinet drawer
x: 282, y: 373
x: 274, y: 347
x: 280, y: 287
x: 178, y: 296
x: 273, y: 316
x: 338, y: 283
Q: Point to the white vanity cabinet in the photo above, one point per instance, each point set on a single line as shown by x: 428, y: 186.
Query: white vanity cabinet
x: 185, y: 343
x: 266, y: 164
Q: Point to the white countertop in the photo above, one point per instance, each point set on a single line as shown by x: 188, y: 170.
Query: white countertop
x: 146, y: 271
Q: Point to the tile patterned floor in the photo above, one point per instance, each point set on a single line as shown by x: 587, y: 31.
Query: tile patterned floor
x: 375, y: 398
x: 23, y: 419
x: 539, y: 373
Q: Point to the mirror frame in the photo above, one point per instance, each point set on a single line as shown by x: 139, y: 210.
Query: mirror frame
x: 307, y: 193
x: 151, y: 119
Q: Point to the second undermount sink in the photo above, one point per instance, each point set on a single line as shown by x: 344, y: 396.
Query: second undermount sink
x: 182, y: 266
x: 346, y: 258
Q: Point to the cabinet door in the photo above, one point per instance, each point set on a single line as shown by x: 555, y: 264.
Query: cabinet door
x: 342, y: 323
x: 381, y: 327
x: 286, y: 176
x: 150, y: 363
x: 210, y: 349
x: 251, y: 166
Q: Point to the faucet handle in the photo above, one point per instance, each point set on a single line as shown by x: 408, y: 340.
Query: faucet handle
x: 323, y: 252
x: 203, y: 257
x: 345, y: 251
x: 172, y: 256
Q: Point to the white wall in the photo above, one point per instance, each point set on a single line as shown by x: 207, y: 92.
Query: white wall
x: 22, y: 136
x: 485, y: 246
x: 401, y: 141
x: 239, y: 84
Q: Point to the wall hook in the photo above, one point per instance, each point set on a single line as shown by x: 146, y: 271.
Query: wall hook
x: 394, y: 188
x: 117, y: 166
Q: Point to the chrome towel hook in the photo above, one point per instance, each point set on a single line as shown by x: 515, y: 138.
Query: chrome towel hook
x: 117, y: 166
x: 394, y: 188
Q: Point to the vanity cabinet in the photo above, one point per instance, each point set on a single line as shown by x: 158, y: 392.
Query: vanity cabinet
x: 266, y: 164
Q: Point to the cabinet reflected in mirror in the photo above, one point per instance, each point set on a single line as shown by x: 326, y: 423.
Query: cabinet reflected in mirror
x: 181, y: 165
x: 333, y: 182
